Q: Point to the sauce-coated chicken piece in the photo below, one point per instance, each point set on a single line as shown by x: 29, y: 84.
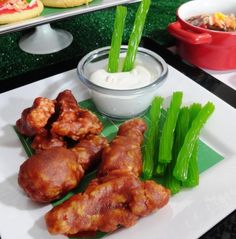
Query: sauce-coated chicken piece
x: 89, y: 150
x: 34, y: 119
x: 51, y: 173
x: 73, y: 121
x: 46, y: 140
x: 124, y: 152
x: 118, y: 199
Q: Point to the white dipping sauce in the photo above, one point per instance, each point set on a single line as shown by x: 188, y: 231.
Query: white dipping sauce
x: 124, y: 104
x: 138, y: 77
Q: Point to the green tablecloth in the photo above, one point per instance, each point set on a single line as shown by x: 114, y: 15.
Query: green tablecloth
x: 90, y: 31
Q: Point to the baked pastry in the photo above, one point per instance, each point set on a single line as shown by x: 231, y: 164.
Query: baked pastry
x: 18, y: 10
x: 65, y: 3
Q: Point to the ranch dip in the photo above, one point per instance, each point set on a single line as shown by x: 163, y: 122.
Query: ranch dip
x: 138, y: 77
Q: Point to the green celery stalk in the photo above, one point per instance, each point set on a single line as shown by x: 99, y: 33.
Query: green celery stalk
x: 114, y: 54
x: 193, y: 171
x: 181, y: 130
x: 181, y: 168
x: 151, y: 139
x: 136, y: 35
x: 161, y: 169
x: 167, y: 137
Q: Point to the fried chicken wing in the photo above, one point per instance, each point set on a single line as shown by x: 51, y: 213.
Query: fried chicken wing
x: 34, y: 119
x: 89, y: 150
x: 73, y: 121
x: 46, y: 140
x: 51, y: 173
x: 118, y: 199
x: 124, y: 151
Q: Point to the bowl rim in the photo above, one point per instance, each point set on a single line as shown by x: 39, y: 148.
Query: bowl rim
x: 199, y: 29
x: 159, y: 81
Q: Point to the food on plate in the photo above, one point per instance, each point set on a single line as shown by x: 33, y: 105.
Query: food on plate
x: 18, y: 10
x: 181, y: 167
x: 124, y: 152
x: 51, y: 173
x: 217, y: 21
x: 167, y: 136
x: 73, y: 121
x: 51, y: 122
x: 177, y: 130
x: 117, y: 197
x: 193, y: 175
x: 181, y: 130
x: 89, y: 150
x: 35, y: 118
x: 65, y: 3
x: 149, y: 152
x: 46, y: 140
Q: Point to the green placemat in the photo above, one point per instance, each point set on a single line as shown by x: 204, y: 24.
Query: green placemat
x: 207, y: 157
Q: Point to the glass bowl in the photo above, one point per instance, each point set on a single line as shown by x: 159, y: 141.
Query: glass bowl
x: 122, y: 104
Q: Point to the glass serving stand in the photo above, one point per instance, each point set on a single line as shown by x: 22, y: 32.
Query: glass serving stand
x: 43, y: 39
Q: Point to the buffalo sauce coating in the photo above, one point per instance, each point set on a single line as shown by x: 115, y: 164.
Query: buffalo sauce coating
x: 89, y: 149
x: 33, y: 119
x: 124, y: 152
x: 118, y: 199
x: 45, y: 140
x: 49, y: 174
x: 52, y: 172
x: 73, y: 121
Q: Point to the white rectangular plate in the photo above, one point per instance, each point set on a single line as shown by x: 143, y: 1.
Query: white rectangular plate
x: 188, y: 215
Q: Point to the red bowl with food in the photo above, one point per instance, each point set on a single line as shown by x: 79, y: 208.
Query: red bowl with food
x: 206, y: 33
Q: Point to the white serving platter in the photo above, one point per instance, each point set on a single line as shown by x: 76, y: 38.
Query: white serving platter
x: 53, y: 14
x: 188, y: 215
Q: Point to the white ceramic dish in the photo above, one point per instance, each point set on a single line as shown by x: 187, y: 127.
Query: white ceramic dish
x: 188, y: 215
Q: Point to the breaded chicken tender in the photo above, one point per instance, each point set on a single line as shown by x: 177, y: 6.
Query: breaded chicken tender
x: 73, y: 121
x: 35, y: 118
x: 118, y: 199
x: 124, y: 152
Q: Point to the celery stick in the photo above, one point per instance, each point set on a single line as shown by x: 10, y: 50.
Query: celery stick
x: 181, y: 168
x: 194, y: 110
x: 161, y: 169
x: 193, y: 171
x: 170, y: 181
x: 167, y: 137
x: 152, y: 135
x: 181, y: 130
x: 114, y: 54
x: 136, y: 35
